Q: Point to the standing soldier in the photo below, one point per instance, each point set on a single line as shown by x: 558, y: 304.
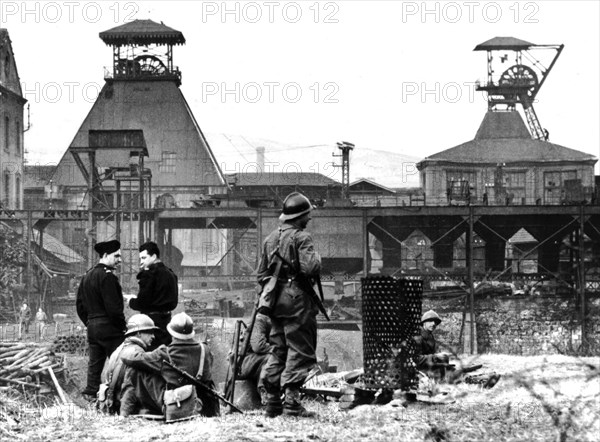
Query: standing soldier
x: 293, y: 317
x: 100, y: 308
x: 158, y: 294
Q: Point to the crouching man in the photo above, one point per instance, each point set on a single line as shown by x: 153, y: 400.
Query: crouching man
x: 151, y: 387
x: 138, y: 338
x: 427, y: 359
x: 253, y: 366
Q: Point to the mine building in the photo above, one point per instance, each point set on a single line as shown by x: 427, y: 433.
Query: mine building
x: 509, y: 163
x: 139, y: 147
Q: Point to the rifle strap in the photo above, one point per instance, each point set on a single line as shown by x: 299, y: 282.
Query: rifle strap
x: 200, y: 366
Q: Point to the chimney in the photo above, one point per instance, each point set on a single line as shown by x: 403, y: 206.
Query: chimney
x: 260, y: 158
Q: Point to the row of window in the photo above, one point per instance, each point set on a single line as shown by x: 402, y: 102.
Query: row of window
x: 513, y: 185
x: 7, y: 132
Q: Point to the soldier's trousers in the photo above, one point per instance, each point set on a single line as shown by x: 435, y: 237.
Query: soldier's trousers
x: 294, y: 351
x: 103, y: 339
x: 142, y: 391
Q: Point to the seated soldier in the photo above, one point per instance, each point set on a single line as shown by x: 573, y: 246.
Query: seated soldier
x: 139, y: 336
x: 426, y: 358
x: 146, y: 384
x: 258, y: 353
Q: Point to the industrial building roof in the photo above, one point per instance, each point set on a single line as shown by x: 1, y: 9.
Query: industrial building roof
x: 142, y: 32
x: 503, y: 138
x: 280, y: 179
x: 503, y: 43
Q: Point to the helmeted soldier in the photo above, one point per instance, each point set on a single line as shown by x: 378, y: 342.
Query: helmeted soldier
x: 427, y: 358
x: 145, y: 384
x: 100, y: 307
x: 293, y: 317
x: 138, y: 338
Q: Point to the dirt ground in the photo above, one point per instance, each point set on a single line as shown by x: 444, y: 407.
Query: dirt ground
x: 537, y: 398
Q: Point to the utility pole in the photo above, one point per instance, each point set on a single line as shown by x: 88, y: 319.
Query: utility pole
x: 345, y: 147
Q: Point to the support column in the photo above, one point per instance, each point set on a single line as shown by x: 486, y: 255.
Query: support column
x: 472, y: 341
x: 581, y: 268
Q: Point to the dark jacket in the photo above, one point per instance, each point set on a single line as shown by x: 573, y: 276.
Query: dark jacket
x: 158, y: 290
x: 297, y: 247
x: 259, y: 348
x: 186, y: 355
x: 100, y: 296
x: 426, y: 348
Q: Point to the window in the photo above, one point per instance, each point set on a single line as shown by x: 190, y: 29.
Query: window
x: 515, y: 187
x: 554, y: 185
x: 18, y: 135
x: 6, y: 134
x: 168, y: 162
x: 18, y: 192
x: 461, y: 184
x: 6, y: 198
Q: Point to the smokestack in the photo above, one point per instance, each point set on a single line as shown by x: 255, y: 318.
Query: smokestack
x: 260, y: 157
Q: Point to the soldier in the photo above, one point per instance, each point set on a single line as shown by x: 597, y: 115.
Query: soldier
x: 158, y: 294
x: 145, y: 385
x: 100, y: 307
x: 294, y: 323
x: 253, y: 366
x: 139, y: 336
x: 427, y: 359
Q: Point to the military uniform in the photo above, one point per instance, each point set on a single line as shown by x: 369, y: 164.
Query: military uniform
x: 253, y: 366
x: 426, y: 348
x: 147, y: 377
x: 116, y: 371
x: 100, y: 307
x: 294, y: 323
x: 157, y: 297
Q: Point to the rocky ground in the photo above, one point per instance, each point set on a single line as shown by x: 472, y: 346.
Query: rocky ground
x: 537, y: 398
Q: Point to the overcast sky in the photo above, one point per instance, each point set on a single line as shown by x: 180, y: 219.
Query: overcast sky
x: 313, y: 73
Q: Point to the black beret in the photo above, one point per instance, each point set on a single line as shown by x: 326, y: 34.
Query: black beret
x: 107, y: 247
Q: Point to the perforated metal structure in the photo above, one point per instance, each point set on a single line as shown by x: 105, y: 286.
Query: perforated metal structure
x: 391, y: 315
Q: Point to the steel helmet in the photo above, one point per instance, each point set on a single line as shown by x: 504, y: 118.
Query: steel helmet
x: 294, y: 206
x: 431, y: 316
x: 181, y: 327
x: 139, y: 323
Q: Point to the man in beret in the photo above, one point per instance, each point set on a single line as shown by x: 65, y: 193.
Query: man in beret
x: 158, y: 294
x: 100, y: 307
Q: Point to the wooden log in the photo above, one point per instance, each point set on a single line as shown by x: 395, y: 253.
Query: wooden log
x: 17, y: 382
x: 59, y: 390
x: 55, y: 366
x: 12, y: 348
x: 23, y: 356
x: 11, y: 352
x: 37, y: 362
x: 20, y: 361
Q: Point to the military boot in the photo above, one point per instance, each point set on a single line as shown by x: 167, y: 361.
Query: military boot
x: 274, y: 407
x: 292, y: 405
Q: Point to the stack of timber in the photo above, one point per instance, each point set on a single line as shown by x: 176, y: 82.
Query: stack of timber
x: 21, y: 362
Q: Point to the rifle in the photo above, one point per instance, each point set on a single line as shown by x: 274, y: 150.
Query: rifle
x: 238, y: 357
x: 308, y: 285
x: 200, y: 384
x: 232, y: 369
